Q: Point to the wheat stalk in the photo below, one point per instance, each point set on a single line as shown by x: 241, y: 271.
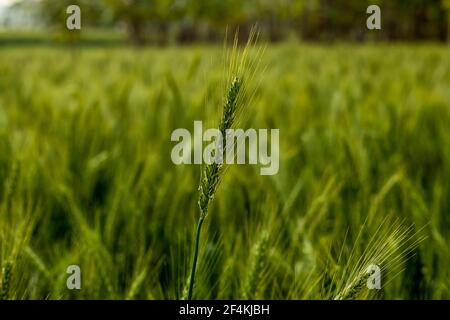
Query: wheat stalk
x: 212, y: 173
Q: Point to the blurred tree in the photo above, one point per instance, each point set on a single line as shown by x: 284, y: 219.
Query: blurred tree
x: 137, y: 14
x: 275, y: 17
x: 446, y: 5
x: 53, y: 13
x: 192, y: 20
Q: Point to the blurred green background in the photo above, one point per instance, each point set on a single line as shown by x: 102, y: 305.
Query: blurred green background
x: 85, y: 170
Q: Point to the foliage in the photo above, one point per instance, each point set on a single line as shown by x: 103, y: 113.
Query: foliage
x: 86, y: 176
x: 158, y: 21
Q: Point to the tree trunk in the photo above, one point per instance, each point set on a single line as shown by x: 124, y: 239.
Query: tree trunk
x: 448, y: 26
x: 135, y: 32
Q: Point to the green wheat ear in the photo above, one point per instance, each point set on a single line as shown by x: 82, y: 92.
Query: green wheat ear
x: 6, y: 280
x: 352, y: 291
x: 256, y: 268
x: 388, y: 248
x: 211, y: 173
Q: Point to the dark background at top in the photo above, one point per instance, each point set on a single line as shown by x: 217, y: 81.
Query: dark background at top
x: 186, y: 21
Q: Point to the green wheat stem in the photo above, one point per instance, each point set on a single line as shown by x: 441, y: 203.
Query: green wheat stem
x: 195, y: 257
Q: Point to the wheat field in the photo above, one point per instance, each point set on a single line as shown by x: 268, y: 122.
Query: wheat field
x: 86, y: 176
